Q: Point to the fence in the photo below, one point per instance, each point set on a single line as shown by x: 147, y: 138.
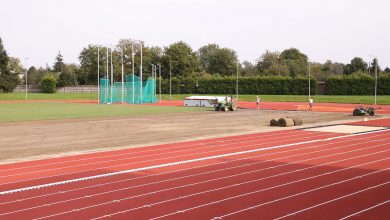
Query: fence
x: 66, y: 89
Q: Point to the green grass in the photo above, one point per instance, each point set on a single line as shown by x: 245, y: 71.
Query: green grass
x: 43, y: 111
x: 381, y: 100
x: 46, y: 96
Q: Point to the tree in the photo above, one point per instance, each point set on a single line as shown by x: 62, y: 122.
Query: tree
x: 248, y: 69
x: 218, y: 60
x: 296, y: 62
x: 8, y: 79
x: 34, y: 76
x: 59, y: 63
x: 15, y: 66
x: 87, y: 73
x: 48, y: 83
x: 182, y: 60
x: 387, y: 70
x: 271, y: 63
x: 357, y: 64
x: 372, y: 67
x: 68, y: 76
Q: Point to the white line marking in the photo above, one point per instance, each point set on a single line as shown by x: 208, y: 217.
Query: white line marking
x: 197, y: 183
x: 137, y: 162
x: 333, y: 200
x: 203, y: 192
x: 165, y: 165
x: 283, y: 198
x: 152, y: 148
x: 364, y: 210
x: 219, y: 163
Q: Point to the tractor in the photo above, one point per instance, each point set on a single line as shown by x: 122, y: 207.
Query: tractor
x: 361, y: 110
x: 224, y: 105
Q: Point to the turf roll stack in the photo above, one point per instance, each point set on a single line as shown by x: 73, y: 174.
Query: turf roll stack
x: 273, y: 122
x: 297, y: 121
x: 286, y: 122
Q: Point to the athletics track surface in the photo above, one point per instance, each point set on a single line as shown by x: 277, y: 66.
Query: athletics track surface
x: 291, y: 106
x: 289, y: 174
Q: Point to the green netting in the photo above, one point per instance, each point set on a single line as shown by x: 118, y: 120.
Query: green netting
x: 131, y: 91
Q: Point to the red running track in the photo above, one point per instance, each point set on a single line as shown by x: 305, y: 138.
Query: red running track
x: 292, y: 174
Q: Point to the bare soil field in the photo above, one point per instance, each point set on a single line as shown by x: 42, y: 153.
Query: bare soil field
x: 23, y: 141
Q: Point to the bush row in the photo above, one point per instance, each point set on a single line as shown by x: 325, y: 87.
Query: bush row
x: 357, y: 85
x: 247, y: 85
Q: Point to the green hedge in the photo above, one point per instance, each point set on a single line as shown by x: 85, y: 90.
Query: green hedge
x: 357, y: 85
x: 247, y: 85
x: 49, y: 84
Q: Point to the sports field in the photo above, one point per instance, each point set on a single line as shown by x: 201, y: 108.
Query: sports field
x: 63, y: 160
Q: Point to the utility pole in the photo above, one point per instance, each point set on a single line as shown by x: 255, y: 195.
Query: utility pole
x: 98, y: 75
x: 376, y: 77
x: 132, y: 67
x: 123, y: 84
x: 170, y: 80
x: 140, y: 69
x: 237, y: 81
x: 309, y: 80
x: 159, y: 82
x: 26, y: 76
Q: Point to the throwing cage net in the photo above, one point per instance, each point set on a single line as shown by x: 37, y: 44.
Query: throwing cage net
x: 131, y: 91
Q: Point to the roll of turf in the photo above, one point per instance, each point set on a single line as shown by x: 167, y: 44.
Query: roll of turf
x: 273, y: 122
x: 286, y: 122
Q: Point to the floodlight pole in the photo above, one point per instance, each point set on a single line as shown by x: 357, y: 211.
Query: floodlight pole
x: 376, y: 77
x: 98, y: 70
x: 170, y: 80
x: 123, y: 85
x: 26, y: 77
x: 106, y: 92
x: 159, y: 82
x: 132, y: 66
x: 112, y: 75
x: 140, y: 69
x: 237, y: 81
x: 309, y: 80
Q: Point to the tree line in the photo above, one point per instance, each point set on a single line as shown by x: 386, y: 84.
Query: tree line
x: 180, y: 59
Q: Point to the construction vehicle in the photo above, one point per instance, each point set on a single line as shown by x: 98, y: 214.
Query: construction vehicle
x: 361, y: 110
x: 229, y: 103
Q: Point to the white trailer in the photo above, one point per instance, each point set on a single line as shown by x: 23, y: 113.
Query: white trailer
x: 203, y: 101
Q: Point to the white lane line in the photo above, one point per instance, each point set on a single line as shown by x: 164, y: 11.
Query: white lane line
x: 153, y: 160
x: 278, y: 186
x: 221, y: 188
x: 365, y: 210
x: 126, y: 164
x: 148, y: 149
x: 198, y: 183
x: 169, y: 164
x: 216, y: 164
x: 333, y: 200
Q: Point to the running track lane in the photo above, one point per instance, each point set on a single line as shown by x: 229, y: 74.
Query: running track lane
x: 89, y: 165
x: 357, y: 166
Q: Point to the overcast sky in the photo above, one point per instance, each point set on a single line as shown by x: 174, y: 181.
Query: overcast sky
x: 323, y: 29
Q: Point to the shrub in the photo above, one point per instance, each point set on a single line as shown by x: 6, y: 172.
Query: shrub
x: 48, y: 84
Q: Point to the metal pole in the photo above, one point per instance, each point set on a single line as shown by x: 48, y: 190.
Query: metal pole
x: 237, y: 81
x: 25, y: 63
x: 309, y: 80
x: 123, y: 84
x: 106, y: 92
x: 98, y: 77
x: 140, y: 70
x: 132, y: 66
x: 159, y: 82
x: 376, y: 76
x: 170, y: 80
x: 112, y: 75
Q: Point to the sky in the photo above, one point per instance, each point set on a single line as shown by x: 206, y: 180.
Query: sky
x: 336, y: 30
